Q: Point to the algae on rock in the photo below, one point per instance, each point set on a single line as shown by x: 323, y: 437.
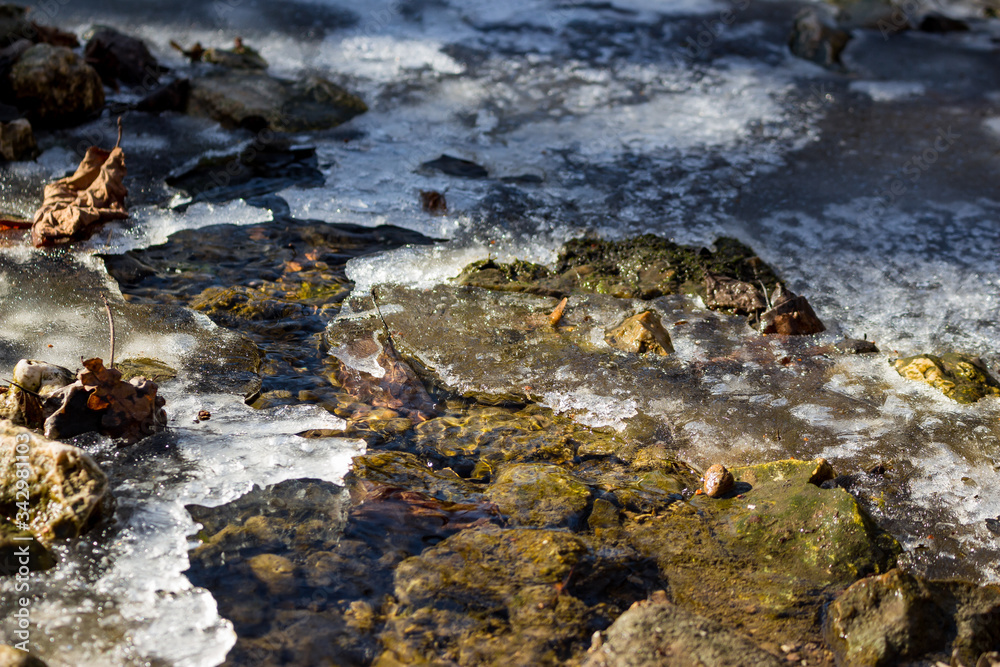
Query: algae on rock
x: 958, y: 376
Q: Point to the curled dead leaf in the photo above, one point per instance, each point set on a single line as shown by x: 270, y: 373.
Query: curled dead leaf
x: 75, y: 206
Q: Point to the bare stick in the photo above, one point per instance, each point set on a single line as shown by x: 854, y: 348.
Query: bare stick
x: 25, y: 390
x: 111, y: 325
x: 385, y: 326
x: 117, y: 143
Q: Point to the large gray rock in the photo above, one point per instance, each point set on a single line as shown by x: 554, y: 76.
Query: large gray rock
x: 55, y: 86
x: 651, y: 634
x: 239, y: 98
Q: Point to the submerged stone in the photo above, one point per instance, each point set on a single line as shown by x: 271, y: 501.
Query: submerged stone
x: 897, y: 617
x: 539, y: 494
x: 651, y: 634
x: 958, y: 376
x: 639, y: 334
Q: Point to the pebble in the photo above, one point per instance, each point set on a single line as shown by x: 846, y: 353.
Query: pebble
x: 718, y: 481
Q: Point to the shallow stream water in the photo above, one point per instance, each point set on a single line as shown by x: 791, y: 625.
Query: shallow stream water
x: 590, y: 117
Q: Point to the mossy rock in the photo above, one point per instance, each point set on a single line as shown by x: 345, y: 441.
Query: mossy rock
x: 405, y: 470
x: 12, y: 543
x: 898, y: 618
x: 490, y: 596
x: 154, y: 369
x: 790, y: 524
x: 958, y: 376
x: 230, y: 305
x: 67, y: 491
x: 641, y: 267
x: 540, y: 494
x: 763, y: 555
x: 482, y: 439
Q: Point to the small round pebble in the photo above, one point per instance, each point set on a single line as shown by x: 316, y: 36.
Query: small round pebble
x: 718, y: 481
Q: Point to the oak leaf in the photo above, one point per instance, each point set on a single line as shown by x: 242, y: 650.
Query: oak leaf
x: 75, y: 206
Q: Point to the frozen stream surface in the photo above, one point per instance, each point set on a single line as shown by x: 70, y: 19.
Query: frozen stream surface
x: 590, y: 117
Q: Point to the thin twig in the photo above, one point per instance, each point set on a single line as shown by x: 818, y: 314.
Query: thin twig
x: 385, y: 326
x: 111, y: 325
x: 24, y: 389
x: 117, y: 143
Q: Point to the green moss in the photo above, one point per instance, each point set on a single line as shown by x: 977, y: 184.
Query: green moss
x: 958, y: 376
x: 539, y: 494
x: 643, y: 267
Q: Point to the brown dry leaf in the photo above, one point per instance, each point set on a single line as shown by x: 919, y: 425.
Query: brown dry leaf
x: 130, y: 410
x: 74, y: 206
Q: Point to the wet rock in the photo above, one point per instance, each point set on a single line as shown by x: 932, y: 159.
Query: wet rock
x: 172, y: 96
x: 789, y: 315
x: 33, y: 381
x: 17, y: 141
x: 405, y: 470
x: 539, y: 494
x: 639, y: 334
x: 153, y: 369
x: 12, y: 557
x: 238, y: 98
x: 855, y: 346
x: 718, y: 481
x: 897, y: 617
x: 67, y: 491
x: 55, y: 86
x: 286, y: 544
x: 649, y: 266
x: 259, y: 169
x: 482, y: 439
x: 778, y: 538
x: 12, y: 657
x: 939, y: 23
x: 119, y: 58
x: 238, y: 57
x: 454, y: 166
x: 41, y: 377
x: 814, y: 532
x: 661, y: 633
x: 958, y: 376
x: 812, y: 39
x: 737, y: 296
x: 491, y: 595
x: 14, y: 24
x: 517, y: 276
x: 643, y: 267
